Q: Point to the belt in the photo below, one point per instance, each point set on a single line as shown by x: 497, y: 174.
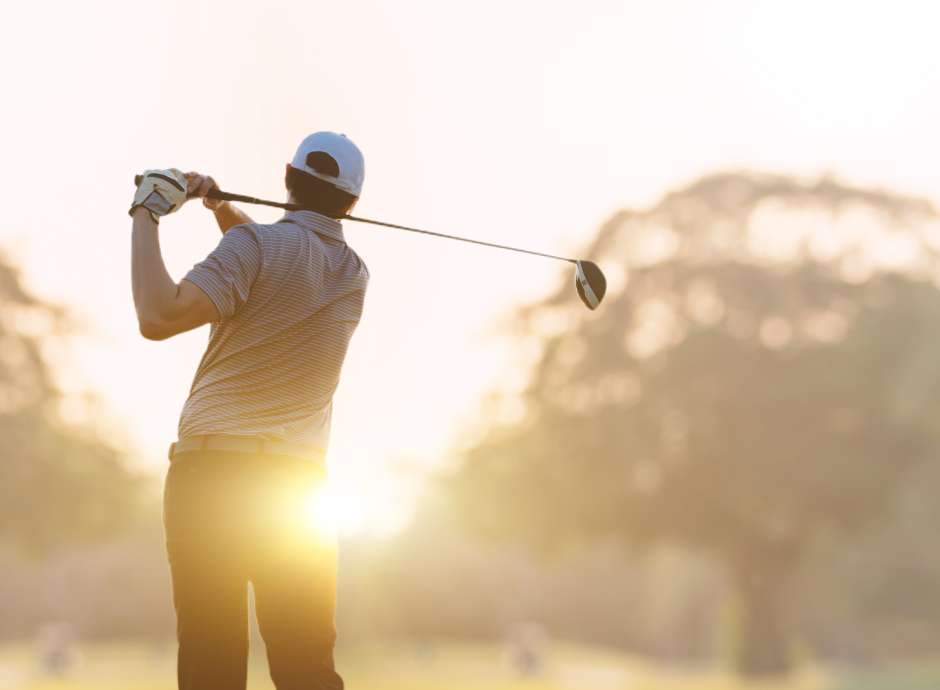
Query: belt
x: 245, y: 444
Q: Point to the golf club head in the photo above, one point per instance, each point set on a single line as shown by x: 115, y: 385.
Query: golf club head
x: 590, y: 283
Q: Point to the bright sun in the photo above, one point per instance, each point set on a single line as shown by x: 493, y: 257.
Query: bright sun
x: 355, y: 503
x: 332, y: 512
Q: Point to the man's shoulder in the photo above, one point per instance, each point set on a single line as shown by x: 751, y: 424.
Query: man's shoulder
x: 355, y: 264
x: 269, y: 228
x: 287, y: 237
x: 265, y: 233
x: 243, y: 235
x: 364, y: 269
x: 245, y: 230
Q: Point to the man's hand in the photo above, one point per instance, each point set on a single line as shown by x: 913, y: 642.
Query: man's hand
x: 198, y: 185
x: 160, y: 192
x: 226, y: 215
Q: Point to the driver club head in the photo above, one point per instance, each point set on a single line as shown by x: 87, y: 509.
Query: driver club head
x: 590, y: 283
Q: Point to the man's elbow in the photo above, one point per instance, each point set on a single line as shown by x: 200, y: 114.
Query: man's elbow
x: 153, y: 330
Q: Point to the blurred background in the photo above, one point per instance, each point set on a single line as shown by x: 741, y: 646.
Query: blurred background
x: 725, y: 477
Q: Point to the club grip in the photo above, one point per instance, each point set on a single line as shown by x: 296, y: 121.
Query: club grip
x: 214, y: 193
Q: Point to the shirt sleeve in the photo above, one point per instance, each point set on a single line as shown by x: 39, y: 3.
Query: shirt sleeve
x: 227, y: 274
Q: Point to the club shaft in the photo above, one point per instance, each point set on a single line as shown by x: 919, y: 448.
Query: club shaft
x: 229, y: 196
x: 458, y: 238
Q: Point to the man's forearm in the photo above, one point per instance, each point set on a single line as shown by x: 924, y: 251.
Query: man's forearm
x: 228, y: 216
x: 154, y: 289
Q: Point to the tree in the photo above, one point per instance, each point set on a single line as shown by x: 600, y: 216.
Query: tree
x: 57, y: 482
x: 763, y: 371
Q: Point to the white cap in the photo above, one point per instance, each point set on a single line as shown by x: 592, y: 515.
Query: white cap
x: 349, y: 161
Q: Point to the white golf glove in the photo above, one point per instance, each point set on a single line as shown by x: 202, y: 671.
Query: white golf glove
x: 160, y: 192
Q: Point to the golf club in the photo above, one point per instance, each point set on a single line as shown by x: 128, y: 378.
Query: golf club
x: 589, y: 280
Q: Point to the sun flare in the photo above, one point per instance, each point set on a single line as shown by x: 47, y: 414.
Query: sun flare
x: 356, y: 503
x: 332, y: 512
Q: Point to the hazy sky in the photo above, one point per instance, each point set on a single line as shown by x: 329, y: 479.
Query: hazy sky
x: 519, y: 122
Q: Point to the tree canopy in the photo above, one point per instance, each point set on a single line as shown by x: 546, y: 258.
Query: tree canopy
x: 58, y: 482
x: 763, y: 371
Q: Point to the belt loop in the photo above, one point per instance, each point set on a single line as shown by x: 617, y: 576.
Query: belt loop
x: 203, y: 442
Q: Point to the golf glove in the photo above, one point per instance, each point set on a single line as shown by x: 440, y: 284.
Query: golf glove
x: 160, y: 192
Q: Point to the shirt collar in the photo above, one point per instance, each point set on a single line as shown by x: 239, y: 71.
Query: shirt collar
x: 316, y: 222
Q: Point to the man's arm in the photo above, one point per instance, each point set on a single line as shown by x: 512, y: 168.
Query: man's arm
x: 163, y: 307
x: 227, y: 215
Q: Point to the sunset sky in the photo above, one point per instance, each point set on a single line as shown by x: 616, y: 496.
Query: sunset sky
x: 519, y: 122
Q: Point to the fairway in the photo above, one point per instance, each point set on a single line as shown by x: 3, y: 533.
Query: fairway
x: 417, y: 666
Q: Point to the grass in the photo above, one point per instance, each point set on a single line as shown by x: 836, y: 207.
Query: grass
x: 437, y: 666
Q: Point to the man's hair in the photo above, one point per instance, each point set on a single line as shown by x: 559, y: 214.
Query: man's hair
x: 316, y: 194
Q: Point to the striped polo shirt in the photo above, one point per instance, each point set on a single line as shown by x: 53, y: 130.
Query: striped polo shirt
x: 290, y: 296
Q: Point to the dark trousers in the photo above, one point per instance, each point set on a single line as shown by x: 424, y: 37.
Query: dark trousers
x: 235, y: 518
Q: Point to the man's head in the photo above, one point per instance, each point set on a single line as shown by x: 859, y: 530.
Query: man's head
x: 326, y: 174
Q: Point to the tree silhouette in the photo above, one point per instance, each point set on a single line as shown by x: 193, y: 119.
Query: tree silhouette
x: 58, y: 483
x: 764, y: 370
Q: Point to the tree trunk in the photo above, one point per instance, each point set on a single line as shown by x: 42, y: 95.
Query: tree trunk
x: 763, y: 643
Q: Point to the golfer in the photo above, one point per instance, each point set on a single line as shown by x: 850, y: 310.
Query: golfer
x: 283, y: 301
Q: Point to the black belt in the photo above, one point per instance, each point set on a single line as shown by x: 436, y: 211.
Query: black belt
x: 245, y: 444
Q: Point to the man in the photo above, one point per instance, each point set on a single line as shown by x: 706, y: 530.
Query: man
x: 283, y: 300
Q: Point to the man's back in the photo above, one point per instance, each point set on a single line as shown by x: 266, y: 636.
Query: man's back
x: 290, y: 296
